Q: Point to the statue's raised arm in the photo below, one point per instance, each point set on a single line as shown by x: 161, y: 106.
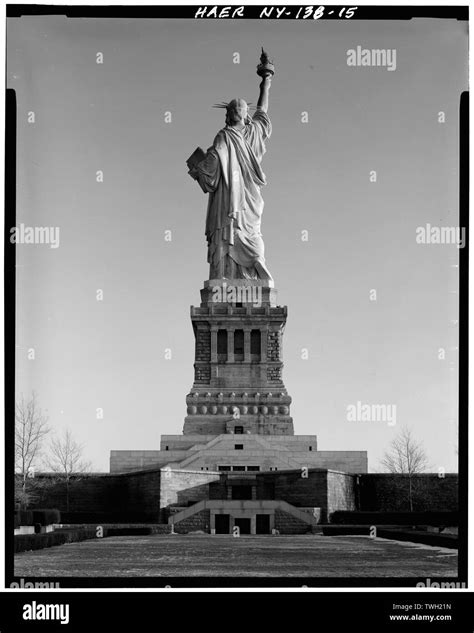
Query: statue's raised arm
x: 265, y: 70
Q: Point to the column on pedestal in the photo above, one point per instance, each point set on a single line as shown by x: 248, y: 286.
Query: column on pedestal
x: 213, y: 343
x: 230, y: 345
x: 247, y: 331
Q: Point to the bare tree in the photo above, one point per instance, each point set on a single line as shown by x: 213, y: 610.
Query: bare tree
x: 406, y: 456
x: 66, y: 459
x: 31, y: 428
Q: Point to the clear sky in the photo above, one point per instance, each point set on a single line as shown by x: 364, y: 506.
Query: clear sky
x: 110, y: 354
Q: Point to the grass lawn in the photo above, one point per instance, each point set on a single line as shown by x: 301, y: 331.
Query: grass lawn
x: 252, y: 556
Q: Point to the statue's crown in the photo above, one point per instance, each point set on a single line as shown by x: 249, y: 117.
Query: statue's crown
x: 227, y: 104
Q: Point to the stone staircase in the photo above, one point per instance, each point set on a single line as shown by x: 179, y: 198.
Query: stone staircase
x: 195, y: 452
x: 233, y: 506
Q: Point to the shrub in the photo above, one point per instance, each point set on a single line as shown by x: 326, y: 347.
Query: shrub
x: 415, y: 536
x: 129, y: 531
x: 26, y: 542
x: 46, y: 517
x: 99, y: 518
x: 346, y: 530
x: 25, y: 498
x: 23, y: 517
x: 395, y: 518
x: 395, y: 534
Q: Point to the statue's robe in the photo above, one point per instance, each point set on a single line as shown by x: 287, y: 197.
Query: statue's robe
x: 232, y: 175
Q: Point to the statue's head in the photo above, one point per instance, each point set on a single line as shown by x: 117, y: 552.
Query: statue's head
x: 237, y: 111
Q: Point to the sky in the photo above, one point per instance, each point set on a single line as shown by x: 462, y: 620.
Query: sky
x: 110, y: 355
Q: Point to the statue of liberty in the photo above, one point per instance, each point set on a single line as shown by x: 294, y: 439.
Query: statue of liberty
x: 230, y: 171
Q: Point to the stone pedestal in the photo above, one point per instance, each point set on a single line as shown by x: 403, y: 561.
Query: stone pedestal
x: 238, y: 385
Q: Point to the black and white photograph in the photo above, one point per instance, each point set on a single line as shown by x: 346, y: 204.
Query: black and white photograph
x: 236, y: 253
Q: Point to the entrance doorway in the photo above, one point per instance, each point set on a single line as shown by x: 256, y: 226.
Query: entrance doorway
x: 243, y: 524
x: 263, y: 524
x: 241, y: 492
x: 222, y: 523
